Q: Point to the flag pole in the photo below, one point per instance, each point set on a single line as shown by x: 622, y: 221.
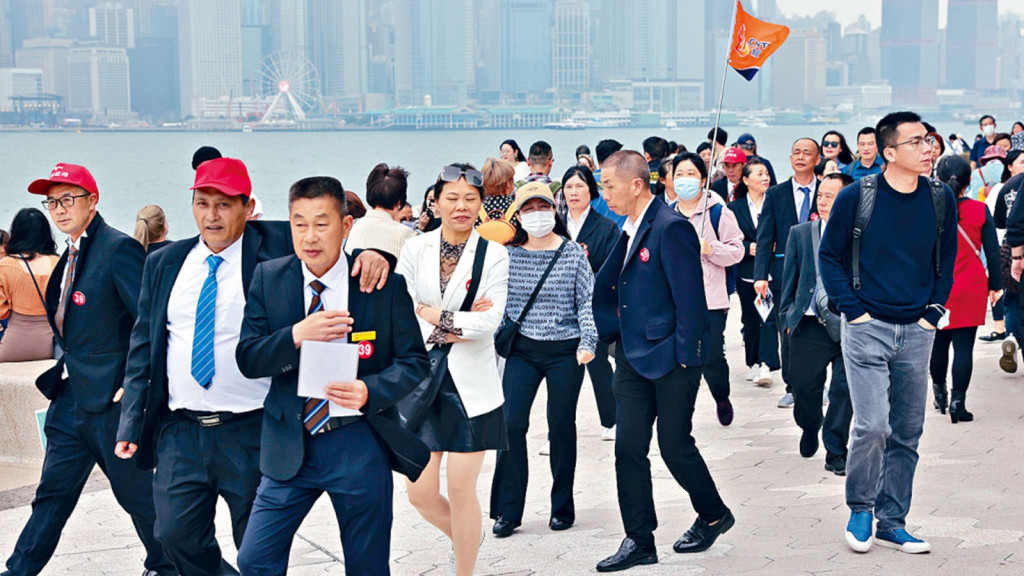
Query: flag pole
x: 718, y: 119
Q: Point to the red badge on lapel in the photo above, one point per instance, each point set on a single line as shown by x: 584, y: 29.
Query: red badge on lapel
x: 78, y: 298
x: 365, y: 350
x: 645, y: 255
x: 468, y: 282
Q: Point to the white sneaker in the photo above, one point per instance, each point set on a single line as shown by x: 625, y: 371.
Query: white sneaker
x: 753, y: 372
x: 608, y: 435
x: 764, y: 377
x: 545, y: 450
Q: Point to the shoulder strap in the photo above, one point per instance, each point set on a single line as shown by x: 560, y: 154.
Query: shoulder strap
x: 478, y: 270
x: 540, y: 283
x: 33, y: 276
x: 868, y: 191
x: 512, y: 208
x: 716, y: 217
x: 483, y: 215
x: 939, y: 203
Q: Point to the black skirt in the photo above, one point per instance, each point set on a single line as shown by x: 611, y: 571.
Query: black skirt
x: 447, y: 428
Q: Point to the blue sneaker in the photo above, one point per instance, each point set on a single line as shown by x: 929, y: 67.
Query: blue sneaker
x: 901, y: 540
x: 858, y: 531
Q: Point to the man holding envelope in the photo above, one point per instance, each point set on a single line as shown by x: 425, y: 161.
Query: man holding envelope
x: 340, y: 435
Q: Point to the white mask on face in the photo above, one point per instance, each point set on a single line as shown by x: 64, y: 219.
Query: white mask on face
x: 988, y: 129
x: 539, y: 223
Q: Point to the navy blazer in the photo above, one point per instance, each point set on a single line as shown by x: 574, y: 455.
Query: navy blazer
x: 398, y: 364
x: 652, y: 299
x: 745, y: 219
x: 145, y: 384
x: 799, y: 275
x: 598, y: 236
x: 778, y: 215
x: 98, y: 322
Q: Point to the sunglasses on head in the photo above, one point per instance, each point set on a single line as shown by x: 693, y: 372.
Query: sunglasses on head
x: 830, y: 144
x: 452, y: 173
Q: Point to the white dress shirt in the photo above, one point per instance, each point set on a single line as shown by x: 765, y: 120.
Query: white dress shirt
x: 755, y: 210
x: 229, y: 391
x: 335, y: 281
x: 64, y: 282
x: 574, y: 226
x: 630, y: 227
x: 798, y: 196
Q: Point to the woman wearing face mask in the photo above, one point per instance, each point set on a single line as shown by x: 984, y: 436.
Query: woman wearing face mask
x: 721, y: 246
x: 760, y: 338
x: 555, y: 339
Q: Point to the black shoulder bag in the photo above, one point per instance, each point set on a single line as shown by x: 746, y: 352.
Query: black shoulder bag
x: 51, y: 382
x: 505, y: 337
x: 413, y: 408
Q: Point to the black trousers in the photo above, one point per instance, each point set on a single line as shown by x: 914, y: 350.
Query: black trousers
x: 962, y: 340
x: 530, y: 362
x: 760, y: 338
x: 716, y: 368
x: 601, y: 375
x: 813, y: 350
x: 669, y: 400
x: 195, y: 465
x: 776, y: 287
x: 76, y: 441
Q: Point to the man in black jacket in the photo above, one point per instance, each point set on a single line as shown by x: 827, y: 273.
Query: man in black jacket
x: 91, y: 305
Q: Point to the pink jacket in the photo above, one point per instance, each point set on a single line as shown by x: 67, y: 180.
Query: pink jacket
x: 726, y: 250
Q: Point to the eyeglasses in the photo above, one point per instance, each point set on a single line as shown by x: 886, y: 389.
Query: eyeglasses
x: 830, y: 144
x: 65, y: 201
x: 917, y: 142
x: 452, y: 173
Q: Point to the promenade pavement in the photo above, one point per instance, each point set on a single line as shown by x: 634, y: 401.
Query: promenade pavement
x: 790, y: 512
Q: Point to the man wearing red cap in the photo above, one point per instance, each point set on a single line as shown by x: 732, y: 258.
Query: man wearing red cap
x: 733, y: 162
x: 91, y: 304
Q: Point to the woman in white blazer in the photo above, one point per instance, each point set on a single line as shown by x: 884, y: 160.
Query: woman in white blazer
x: 466, y: 418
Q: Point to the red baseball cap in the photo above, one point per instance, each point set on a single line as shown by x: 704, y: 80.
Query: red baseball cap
x: 227, y: 175
x: 66, y: 174
x: 734, y: 155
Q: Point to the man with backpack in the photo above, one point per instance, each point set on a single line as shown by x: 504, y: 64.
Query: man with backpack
x: 886, y: 260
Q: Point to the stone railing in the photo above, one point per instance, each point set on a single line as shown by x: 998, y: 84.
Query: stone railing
x: 19, y: 401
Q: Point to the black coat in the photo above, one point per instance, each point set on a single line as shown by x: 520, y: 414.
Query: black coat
x: 721, y: 187
x: 799, y: 275
x: 778, y: 215
x: 598, y: 236
x: 745, y: 219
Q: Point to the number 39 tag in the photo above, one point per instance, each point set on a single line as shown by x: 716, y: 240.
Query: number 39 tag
x: 365, y: 350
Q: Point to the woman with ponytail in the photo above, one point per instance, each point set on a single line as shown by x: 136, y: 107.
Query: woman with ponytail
x: 151, y: 228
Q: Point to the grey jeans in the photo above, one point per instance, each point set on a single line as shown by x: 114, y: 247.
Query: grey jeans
x: 887, y: 371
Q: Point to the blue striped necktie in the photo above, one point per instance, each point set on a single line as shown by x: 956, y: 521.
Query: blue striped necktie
x: 315, y: 411
x: 202, y: 339
x: 805, y: 206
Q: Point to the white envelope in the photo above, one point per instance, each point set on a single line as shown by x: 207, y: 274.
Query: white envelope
x: 324, y: 362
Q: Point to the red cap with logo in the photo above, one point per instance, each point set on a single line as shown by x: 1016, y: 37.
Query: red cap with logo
x: 227, y: 175
x: 66, y: 174
x: 734, y: 155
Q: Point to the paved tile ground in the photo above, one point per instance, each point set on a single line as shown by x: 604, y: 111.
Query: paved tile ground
x: 790, y: 513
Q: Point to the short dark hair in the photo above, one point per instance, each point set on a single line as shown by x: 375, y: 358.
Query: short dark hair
x: 356, y: 209
x: 585, y: 174
x: 656, y: 147
x: 631, y: 163
x: 203, y: 154
x: 888, y: 125
x: 723, y: 136
x: 319, y: 187
x: 846, y: 179
x: 986, y: 117
x: 1001, y: 136
x: 31, y: 234
x: 1011, y: 157
x: 697, y: 161
x: 865, y: 131
x: 439, y: 184
x: 519, y: 152
x: 387, y: 187
x: 540, y: 151
x: 954, y: 171
x: 582, y: 149
x: 702, y: 147
x: 606, y: 148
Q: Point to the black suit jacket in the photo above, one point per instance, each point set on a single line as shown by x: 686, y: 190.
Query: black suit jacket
x: 598, y: 235
x: 266, y: 348
x: 721, y: 187
x: 745, y: 219
x: 98, y: 325
x: 778, y: 215
x: 799, y: 275
x: 145, y: 384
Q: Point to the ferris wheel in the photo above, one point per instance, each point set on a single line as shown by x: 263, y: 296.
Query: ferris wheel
x: 290, y: 82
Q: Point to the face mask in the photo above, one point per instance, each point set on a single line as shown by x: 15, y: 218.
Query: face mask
x: 686, y: 188
x: 988, y: 130
x: 538, y: 224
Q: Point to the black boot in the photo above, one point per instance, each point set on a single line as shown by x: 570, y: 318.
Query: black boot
x: 957, y: 410
x: 939, y: 390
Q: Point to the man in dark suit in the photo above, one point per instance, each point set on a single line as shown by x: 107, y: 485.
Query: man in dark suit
x: 800, y: 311
x: 785, y: 205
x: 306, y: 452
x: 649, y: 298
x: 91, y: 305
x: 732, y: 163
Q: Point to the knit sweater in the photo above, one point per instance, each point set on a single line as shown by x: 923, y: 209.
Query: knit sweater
x: 378, y: 231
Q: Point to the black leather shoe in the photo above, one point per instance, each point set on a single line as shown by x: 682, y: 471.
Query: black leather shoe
x: 702, y: 535
x: 836, y: 465
x: 629, y: 555
x: 808, y: 443
x: 559, y: 524
x: 503, y: 528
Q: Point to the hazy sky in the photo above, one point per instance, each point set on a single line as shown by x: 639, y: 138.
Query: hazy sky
x: 847, y: 12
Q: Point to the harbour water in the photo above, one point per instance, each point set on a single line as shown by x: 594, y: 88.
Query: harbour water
x: 133, y: 169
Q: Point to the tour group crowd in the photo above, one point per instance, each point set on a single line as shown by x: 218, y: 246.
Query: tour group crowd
x: 269, y: 362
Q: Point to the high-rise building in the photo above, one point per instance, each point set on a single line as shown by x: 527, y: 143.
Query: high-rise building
x: 526, y: 46
x: 51, y: 56
x: 111, y: 24
x: 100, y: 85
x: 288, y: 25
x: 1011, y: 52
x: 6, y: 39
x: 799, y: 71
x: 210, y: 52
x: 338, y: 46
x: 27, y: 19
x: 972, y: 41
x: 438, y: 60
x: 153, y: 66
x: 15, y: 82
x: 488, y: 50
x: 910, y: 49
x: 571, y: 48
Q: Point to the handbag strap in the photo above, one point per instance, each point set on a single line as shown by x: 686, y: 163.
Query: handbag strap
x: 33, y: 276
x: 963, y: 233
x: 478, y: 270
x: 540, y: 283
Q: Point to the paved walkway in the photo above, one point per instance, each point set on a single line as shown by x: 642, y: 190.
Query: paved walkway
x: 790, y: 513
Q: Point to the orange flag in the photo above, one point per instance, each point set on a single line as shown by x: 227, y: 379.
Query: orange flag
x: 753, y: 41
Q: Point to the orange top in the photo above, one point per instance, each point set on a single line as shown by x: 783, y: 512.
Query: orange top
x: 17, y: 293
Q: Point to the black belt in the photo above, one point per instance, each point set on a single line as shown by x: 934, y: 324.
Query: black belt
x: 210, y: 419
x: 338, y: 422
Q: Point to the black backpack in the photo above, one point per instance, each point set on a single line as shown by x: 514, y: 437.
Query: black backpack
x: 868, y: 192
